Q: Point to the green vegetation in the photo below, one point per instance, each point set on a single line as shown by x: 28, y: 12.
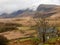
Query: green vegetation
x: 52, y: 40
x: 46, y: 44
x: 5, y: 28
x: 58, y: 28
x: 35, y: 40
x: 9, y: 27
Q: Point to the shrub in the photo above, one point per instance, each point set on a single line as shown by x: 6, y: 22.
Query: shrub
x: 3, y: 40
x: 35, y: 40
x: 7, y: 28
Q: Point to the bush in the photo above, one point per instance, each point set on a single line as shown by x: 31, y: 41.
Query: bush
x: 3, y: 40
x: 35, y: 40
x: 13, y: 24
x: 7, y: 28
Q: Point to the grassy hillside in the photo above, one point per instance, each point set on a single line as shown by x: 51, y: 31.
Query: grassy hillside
x: 19, y: 30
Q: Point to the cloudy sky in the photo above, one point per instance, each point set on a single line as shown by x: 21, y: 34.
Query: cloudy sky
x: 13, y: 5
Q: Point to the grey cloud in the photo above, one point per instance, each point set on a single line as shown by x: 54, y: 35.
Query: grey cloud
x: 12, y: 5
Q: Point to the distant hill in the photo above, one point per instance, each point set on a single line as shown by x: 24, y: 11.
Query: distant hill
x: 15, y: 14
x: 12, y: 15
x: 47, y: 11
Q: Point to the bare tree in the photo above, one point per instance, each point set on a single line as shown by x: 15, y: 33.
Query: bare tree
x: 42, y: 25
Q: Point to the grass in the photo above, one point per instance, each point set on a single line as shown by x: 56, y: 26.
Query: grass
x: 27, y: 28
x: 46, y: 44
x: 58, y: 28
x: 25, y: 39
x: 52, y: 40
x: 23, y: 28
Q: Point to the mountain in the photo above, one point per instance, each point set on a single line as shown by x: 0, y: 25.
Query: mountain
x: 15, y: 13
x: 46, y: 7
x: 52, y: 11
x: 27, y: 14
x: 4, y: 15
x: 46, y: 11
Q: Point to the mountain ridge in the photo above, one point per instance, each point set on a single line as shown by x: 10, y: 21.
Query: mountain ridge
x: 51, y: 11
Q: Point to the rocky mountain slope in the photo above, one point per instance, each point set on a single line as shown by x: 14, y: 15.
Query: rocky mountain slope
x: 52, y: 11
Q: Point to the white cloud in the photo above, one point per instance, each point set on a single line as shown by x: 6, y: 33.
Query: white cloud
x: 38, y: 2
x: 50, y: 1
x: 12, y: 5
